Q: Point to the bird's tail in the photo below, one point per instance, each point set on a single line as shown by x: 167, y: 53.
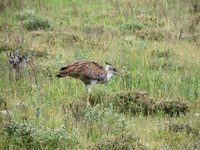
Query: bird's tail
x: 62, y: 73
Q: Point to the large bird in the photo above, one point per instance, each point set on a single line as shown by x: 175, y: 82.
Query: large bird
x: 89, y: 72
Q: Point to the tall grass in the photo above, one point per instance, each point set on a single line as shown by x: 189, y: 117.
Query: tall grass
x: 123, y: 33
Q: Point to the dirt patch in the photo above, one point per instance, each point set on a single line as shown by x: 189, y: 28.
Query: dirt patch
x: 119, y: 143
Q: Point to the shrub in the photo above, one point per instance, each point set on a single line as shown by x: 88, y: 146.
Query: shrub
x: 150, y: 34
x: 172, y: 108
x: 125, y: 142
x: 134, y: 26
x: 137, y: 102
x: 25, y: 14
x: 78, y: 109
x: 5, y: 46
x: 36, y: 23
x: 182, y: 127
x: 97, y: 116
x: 149, y: 21
x: 29, y: 137
x: 32, y: 21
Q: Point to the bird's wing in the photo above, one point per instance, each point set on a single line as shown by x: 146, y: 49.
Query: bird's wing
x: 83, y: 70
x: 92, y: 70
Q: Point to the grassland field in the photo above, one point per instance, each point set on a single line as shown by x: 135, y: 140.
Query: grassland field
x: 155, y: 44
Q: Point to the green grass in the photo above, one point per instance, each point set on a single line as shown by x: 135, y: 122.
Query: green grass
x: 123, y: 33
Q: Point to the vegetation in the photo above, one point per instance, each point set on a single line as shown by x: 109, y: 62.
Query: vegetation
x: 154, y: 44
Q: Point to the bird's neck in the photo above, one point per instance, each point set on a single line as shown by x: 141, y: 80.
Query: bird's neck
x: 109, y: 76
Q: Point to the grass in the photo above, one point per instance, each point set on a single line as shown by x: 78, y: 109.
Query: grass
x: 123, y: 33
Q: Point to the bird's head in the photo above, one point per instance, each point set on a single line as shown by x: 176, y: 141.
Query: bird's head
x: 111, y: 69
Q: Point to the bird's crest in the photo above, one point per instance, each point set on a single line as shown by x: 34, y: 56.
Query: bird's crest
x: 108, y: 63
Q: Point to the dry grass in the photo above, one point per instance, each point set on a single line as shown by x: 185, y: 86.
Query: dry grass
x: 155, y: 45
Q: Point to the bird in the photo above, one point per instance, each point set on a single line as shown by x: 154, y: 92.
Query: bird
x: 90, y: 73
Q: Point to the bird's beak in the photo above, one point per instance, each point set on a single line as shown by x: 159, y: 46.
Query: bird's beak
x: 119, y: 74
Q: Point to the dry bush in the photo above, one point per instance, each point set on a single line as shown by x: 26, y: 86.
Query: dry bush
x: 3, y: 104
x: 151, y: 34
x: 131, y: 27
x: 78, y: 109
x: 124, y: 142
x: 186, y: 127
x: 172, y: 107
x: 195, y: 5
x: 133, y: 102
x: 195, y: 20
x: 137, y: 102
x: 5, y: 46
x: 149, y: 21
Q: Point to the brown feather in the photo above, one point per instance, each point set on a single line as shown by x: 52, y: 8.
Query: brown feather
x: 83, y: 70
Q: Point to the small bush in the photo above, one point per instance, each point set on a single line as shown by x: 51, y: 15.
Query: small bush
x: 134, y: 26
x: 172, y: 108
x: 36, y: 23
x: 149, y: 21
x: 31, y: 21
x: 150, y: 34
x: 3, y: 104
x: 78, y: 109
x: 125, y: 142
x: 104, y: 118
x: 5, y: 46
x: 25, y: 14
x: 29, y: 137
x: 137, y: 102
x: 21, y: 135
x: 182, y: 127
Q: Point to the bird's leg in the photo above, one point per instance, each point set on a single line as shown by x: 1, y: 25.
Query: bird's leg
x: 88, y: 92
